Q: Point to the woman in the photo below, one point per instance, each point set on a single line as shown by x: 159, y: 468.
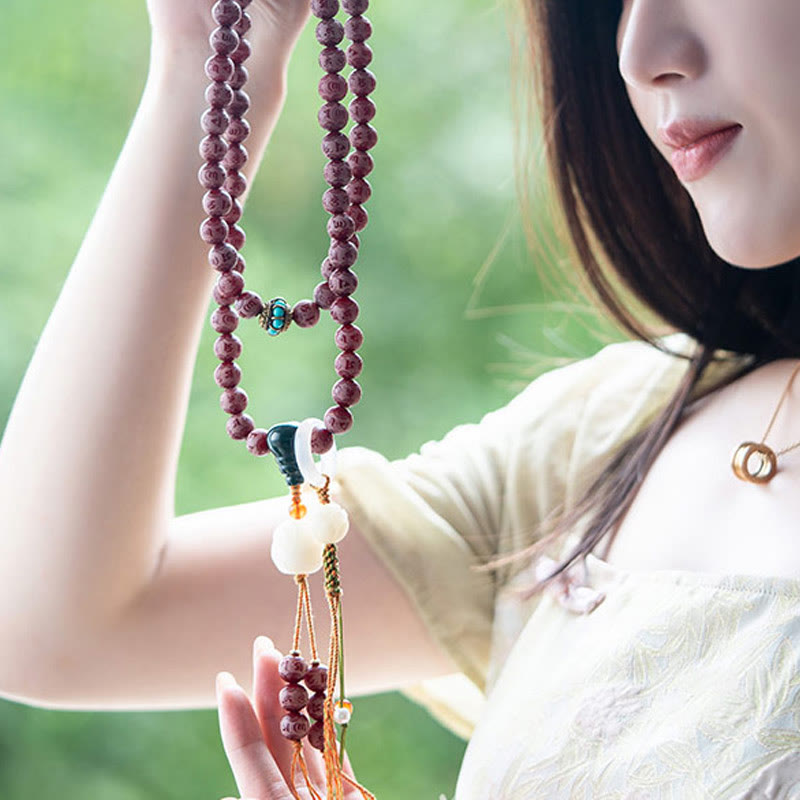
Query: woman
x: 667, y: 668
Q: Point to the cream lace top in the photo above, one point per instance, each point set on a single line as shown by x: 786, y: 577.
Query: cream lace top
x: 613, y: 684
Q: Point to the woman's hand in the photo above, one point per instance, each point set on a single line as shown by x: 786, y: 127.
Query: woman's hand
x: 259, y: 755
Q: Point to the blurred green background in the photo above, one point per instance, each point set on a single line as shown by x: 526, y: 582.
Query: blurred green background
x: 455, y: 316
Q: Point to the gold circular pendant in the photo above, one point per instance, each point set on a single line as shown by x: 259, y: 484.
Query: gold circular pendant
x: 766, y: 462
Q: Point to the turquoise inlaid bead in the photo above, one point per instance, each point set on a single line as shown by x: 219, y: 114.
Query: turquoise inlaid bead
x: 277, y: 324
x: 279, y: 311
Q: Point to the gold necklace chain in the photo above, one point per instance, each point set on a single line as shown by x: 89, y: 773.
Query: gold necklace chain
x: 767, y: 458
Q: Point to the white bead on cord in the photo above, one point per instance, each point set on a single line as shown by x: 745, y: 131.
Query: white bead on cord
x: 298, y: 544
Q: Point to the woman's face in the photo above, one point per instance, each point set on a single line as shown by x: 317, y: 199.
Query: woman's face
x: 733, y: 62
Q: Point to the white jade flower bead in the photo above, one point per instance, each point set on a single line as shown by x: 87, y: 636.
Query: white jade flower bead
x: 341, y: 715
x: 329, y: 523
x: 294, y: 550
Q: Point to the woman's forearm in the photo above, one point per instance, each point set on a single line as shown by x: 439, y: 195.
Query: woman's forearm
x: 89, y: 455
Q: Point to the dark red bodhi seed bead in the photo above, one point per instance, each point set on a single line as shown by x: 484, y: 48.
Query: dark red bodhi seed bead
x: 360, y: 163
x: 234, y: 213
x: 317, y: 677
x: 235, y: 184
x: 329, y: 32
x: 332, y: 59
x: 346, y: 392
x: 338, y: 419
x: 359, y: 216
x: 363, y: 137
x: 219, y: 68
x: 348, y: 364
x: 239, y: 427
x: 331, y: 117
x: 355, y: 6
x: 344, y: 310
x: 327, y: 269
x: 234, y: 401
x: 337, y: 173
x: 222, y: 256
x: 248, y: 305
x: 238, y: 130
x: 343, y: 282
x: 226, y: 12
x: 359, y: 190
x: 213, y: 148
x: 321, y: 441
x: 217, y: 203
x: 224, y: 320
x: 341, y: 226
x: 305, y: 313
x: 359, y: 55
x: 362, y: 109
x: 361, y: 82
x: 335, y: 145
x: 227, y: 374
x: 324, y: 9
x: 316, y: 706
x: 240, y: 103
x: 292, y: 668
x: 215, y: 121
x: 293, y: 697
x: 224, y: 40
x: 257, y: 442
x: 211, y: 175
x: 348, y: 337
x: 332, y: 87
x: 229, y: 347
x: 342, y: 254
x: 215, y: 230
x: 294, y: 726
x: 357, y: 29
x: 316, y: 736
x: 323, y: 296
x: 236, y: 237
x: 336, y: 201
x: 236, y: 157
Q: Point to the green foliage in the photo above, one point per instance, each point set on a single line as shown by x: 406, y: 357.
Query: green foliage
x: 70, y: 79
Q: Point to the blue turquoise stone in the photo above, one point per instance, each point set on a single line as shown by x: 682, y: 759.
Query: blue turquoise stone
x: 279, y: 311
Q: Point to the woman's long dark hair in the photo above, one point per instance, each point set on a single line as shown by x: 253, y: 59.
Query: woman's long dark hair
x: 633, y: 228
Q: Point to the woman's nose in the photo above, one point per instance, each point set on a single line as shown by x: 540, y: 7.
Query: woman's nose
x: 657, y: 45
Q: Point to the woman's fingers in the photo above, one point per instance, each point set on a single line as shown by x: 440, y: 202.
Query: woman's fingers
x: 254, y: 769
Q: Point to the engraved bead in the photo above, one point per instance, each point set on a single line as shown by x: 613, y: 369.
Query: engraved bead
x: 217, y: 203
x: 239, y: 427
x: 236, y: 237
x: 323, y: 296
x: 342, y: 254
x: 338, y: 419
x: 240, y: 103
x: 359, y: 216
x: 343, y: 282
x: 346, y: 392
x: 348, y: 364
x: 257, y: 442
x: 224, y: 40
x: 233, y: 401
x: 362, y: 82
x: 335, y: 145
x: 358, y: 29
x: 294, y: 726
x: 215, y: 121
x: 214, y: 230
x: 236, y: 157
x: 316, y: 678
x: 242, y: 52
x: 329, y: 32
x: 305, y: 313
x: 324, y: 9
x: 332, y: 87
x: 362, y: 109
x: 316, y: 736
x: 228, y: 287
x: 292, y: 667
x: 360, y: 163
x: 348, y: 337
x: 316, y: 706
x: 359, y: 55
x: 344, y: 310
x: 211, y: 175
x: 333, y: 116
x: 219, y: 68
x: 238, y: 130
x: 341, y: 226
x: 229, y: 347
x: 332, y: 59
x: 359, y: 190
x: 321, y: 440
x: 354, y: 7
x: 226, y: 12
x: 234, y: 214
x: 222, y: 256
x: 239, y: 77
x: 336, y: 200
x: 363, y: 136
x: 213, y: 148
x: 227, y: 374
x: 235, y: 184
x: 224, y: 320
x: 248, y: 305
x: 293, y: 697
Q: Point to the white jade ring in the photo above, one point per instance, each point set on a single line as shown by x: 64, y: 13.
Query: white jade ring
x: 305, y: 459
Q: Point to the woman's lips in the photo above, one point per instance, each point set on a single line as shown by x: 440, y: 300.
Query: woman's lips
x: 696, y: 160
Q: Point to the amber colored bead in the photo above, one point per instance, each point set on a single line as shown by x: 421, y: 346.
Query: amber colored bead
x: 321, y: 440
x: 358, y: 29
x: 348, y: 337
x: 346, y: 392
x: 233, y: 401
x: 227, y: 374
x: 317, y: 677
x: 338, y: 419
x: 229, y: 347
x: 329, y: 32
x: 239, y: 427
x: 348, y: 364
x: 257, y: 442
x: 316, y: 736
x: 294, y: 726
x: 332, y: 59
x: 293, y: 697
x: 316, y: 706
x: 292, y: 668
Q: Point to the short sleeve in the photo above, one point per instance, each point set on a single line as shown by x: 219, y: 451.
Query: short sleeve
x: 482, y: 491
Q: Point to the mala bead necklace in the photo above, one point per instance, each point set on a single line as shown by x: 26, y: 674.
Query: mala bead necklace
x: 765, y: 457
x: 306, y: 541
